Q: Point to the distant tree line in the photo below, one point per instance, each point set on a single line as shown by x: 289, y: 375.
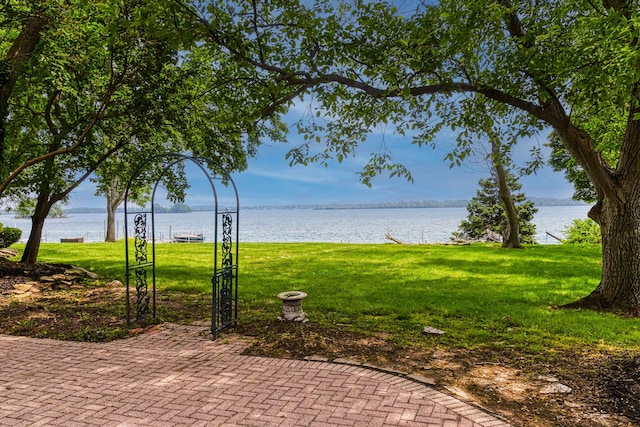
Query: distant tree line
x: 539, y: 201
x: 177, y: 208
x: 181, y: 207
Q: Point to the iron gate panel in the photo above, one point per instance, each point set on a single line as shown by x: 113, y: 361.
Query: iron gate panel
x: 140, y: 270
x: 224, y: 282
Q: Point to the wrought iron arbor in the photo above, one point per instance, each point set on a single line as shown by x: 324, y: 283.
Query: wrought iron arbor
x: 141, y: 263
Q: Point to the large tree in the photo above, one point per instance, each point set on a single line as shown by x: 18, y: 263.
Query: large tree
x: 563, y: 65
x: 93, y: 65
x: 112, y: 80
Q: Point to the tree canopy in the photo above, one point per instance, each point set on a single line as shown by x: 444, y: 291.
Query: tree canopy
x: 88, y: 85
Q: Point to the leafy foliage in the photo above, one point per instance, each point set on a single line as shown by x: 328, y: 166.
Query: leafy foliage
x: 583, y: 231
x: 26, y: 207
x: 9, y: 236
x: 486, y: 212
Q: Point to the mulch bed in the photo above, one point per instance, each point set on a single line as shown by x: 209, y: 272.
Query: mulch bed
x: 13, y: 273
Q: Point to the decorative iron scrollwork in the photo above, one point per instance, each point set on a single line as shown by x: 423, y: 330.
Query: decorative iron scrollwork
x: 142, y: 288
x: 227, y: 257
x: 140, y: 241
x: 227, y: 276
x: 142, y: 294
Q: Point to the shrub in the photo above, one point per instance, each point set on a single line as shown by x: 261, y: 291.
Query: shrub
x: 583, y: 231
x: 9, y: 236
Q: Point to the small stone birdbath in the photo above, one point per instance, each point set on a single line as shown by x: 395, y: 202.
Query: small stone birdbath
x: 292, y: 306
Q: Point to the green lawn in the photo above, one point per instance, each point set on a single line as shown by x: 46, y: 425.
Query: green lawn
x: 481, y: 295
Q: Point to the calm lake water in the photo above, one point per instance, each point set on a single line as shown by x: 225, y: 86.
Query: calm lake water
x: 431, y: 225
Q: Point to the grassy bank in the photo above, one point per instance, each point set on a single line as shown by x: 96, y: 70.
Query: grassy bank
x: 481, y: 295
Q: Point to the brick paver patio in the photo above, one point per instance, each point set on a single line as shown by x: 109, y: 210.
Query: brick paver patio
x: 176, y: 376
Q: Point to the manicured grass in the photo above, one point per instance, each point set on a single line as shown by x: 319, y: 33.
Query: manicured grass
x: 481, y: 295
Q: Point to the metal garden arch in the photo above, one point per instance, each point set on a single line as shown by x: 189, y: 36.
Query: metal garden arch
x: 139, y: 262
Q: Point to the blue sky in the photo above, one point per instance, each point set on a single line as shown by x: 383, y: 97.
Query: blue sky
x: 269, y: 180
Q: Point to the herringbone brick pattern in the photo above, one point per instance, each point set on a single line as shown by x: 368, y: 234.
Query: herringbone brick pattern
x: 176, y: 376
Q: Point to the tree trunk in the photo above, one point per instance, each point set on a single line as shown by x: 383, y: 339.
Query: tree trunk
x: 5, y: 75
x: 30, y: 254
x: 619, y: 287
x: 19, y: 53
x: 114, y: 199
x: 511, y: 235
x: 511, y: 239
x: 111, y: 223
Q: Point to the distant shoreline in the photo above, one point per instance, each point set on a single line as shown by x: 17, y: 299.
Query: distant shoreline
x: 414, y: 204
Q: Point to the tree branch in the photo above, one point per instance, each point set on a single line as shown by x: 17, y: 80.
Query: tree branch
x: 578, y: 142
x: 375, y: 92
x: 59, y: 196
x: 47, y: 112
x: 20, y: 52
x: 81, y: 139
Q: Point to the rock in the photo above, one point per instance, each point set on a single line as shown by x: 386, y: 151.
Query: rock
x: 47, y: 279
x: 115, y: 284
x: 79, y: 271
x: 8, y: 253
x: 428, y: 330
x: 22, y: 287
x: 555, y: 388
x: 548, y: 378
x: 316, y: 358
x: 74, y: 272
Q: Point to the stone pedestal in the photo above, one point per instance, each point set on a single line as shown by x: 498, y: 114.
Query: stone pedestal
x: 292, y: 306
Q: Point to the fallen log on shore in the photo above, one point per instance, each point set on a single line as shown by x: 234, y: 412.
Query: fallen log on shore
x: 555, y: 237
x: 388, y: 236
